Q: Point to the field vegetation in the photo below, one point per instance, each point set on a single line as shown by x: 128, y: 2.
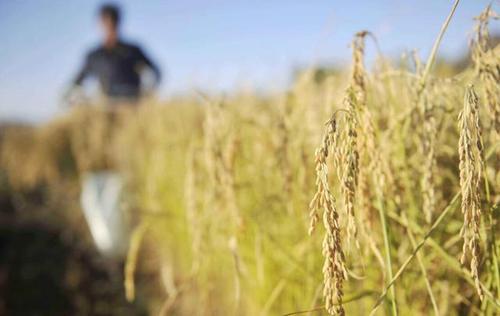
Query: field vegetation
x: 362, y: 192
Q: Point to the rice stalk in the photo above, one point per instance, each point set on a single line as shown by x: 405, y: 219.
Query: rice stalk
x: 334, y: 272
x: 350, y: 169
x: 132, y: 258
x: 429, y: 166
x: 471, y: 165
x: 487, y: 66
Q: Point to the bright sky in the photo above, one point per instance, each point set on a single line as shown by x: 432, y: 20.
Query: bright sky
x: 213, y: 45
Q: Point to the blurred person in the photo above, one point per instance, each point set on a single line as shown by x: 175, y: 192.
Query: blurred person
x: 117, y: 64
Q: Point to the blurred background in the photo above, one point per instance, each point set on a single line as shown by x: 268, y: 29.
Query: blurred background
x: 215, y: 46
x: 49, y: 263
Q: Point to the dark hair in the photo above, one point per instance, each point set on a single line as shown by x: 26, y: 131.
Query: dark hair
x: 111, y: 11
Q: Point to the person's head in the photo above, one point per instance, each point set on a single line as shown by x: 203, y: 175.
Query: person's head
x: 109, y: 15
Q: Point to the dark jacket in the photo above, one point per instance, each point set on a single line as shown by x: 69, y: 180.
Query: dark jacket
x: 117, y: 69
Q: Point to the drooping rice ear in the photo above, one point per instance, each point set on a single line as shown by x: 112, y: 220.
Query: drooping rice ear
x: 470, y: 166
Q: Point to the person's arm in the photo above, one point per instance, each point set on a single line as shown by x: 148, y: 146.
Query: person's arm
x: 84, y: 72
x: 149, y: 63
x: 73, y: 94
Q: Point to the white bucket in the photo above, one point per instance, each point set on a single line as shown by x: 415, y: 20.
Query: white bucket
x: 100, y: 201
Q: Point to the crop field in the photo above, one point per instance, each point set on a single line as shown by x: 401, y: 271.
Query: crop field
x: 365, y: 191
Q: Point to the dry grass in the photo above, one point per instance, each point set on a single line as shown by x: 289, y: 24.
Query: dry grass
x: 224, y: 187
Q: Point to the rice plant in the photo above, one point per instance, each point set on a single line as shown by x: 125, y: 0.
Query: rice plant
x: 225, y: 193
